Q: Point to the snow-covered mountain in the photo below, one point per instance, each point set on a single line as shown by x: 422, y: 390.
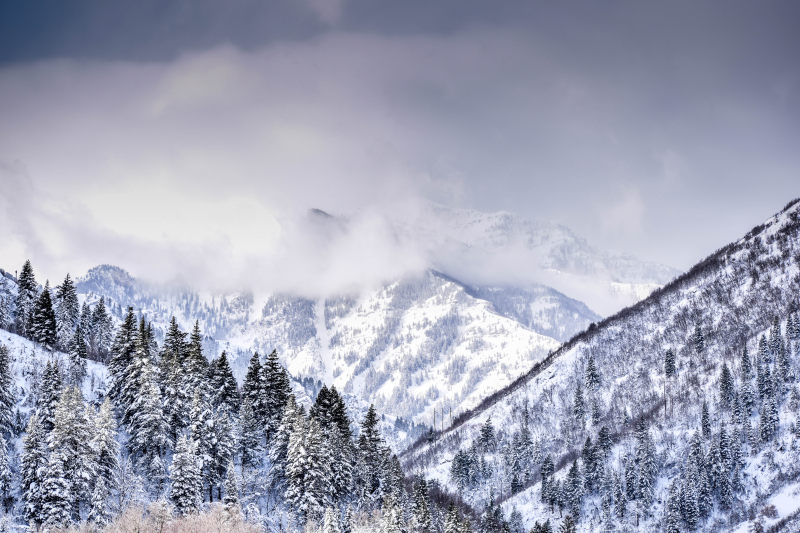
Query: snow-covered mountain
x: 413, y: 346
x: 427, y: 342
x: 487, y: 248
x: 612, y: 376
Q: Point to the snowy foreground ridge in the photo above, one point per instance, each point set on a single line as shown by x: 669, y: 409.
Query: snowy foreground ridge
x: 678, y: 413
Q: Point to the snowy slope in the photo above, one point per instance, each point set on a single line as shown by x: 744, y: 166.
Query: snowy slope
x: 482, y: 248
x: 411, y: 347
x: 733, y: 295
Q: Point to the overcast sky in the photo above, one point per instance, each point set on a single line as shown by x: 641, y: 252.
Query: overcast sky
x: 175, y: 136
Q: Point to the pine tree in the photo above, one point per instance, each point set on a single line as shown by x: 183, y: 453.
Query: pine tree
x: 196, y: 362
x: 100, y: 328
x: 669, y: 364
x: 276, y: 390
x: 147, y: 426
x: 487, y: 437
x: 620, y: 500
x: 648, y: 470
x: 451, y: 522
x: 250, y: 436
x: 100, y: 513
x: 105, y: 445
x: 67, y: 313
x: 201, y: 425
x: 186, y: 477
x: 369, y: 448
x: 123, y: 352
x: 33, y: 469
x: 225, y: 393
x: 568, y: 525
x: 331, y: 522
x: 77, y: 359
x: 253, y: 391
x: 726, y: 386
x: 6, y: 477
x: 592, y: 377
x: 578, y: 406
x: 699, y: 341
x: 231, y: 498
x: 71, y: 452
x: 7, y: 398
x: 705, y: 421
x: 27, y: 295
x: 57, y: 494
x: 221, y: 450
x: 279, y: 447
x: 768, y: 425
x: 6, y: 317
x: 49, y: 394
x: 574, y: 489
x: 43, y: 322
x: 672, y: 514
x: 746, y: 366
x: 421, y: 508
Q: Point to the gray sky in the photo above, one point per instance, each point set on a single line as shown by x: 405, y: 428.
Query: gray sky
x: 165, y: 135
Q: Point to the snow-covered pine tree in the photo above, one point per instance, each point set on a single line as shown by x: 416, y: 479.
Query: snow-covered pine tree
x: 201, y: 424
x: 27, y: 294
x: 422, y: 521
x: 186, y: 477
x: 699, y: 340
x: 276, y: 390
x: 6, y: 477
x: 592, y: 377
x: 279, y: 447
x: 33, y: 467
x: 486, y: 438
x: 705, y: 421
x: 225, y: 393
x: 71, y: 453
x: 101, y: 329
x: 574, y: 489
x: 57, y: 496
x: 105, y: 445
x: 578, y: 405
x: 648, y: 470
x: 223, y: 446
x: 7, y: 398
x: 177, y: 395
x: 253, y: 390
x: 149, y: 433
x: 6, y: 316
x: 99, y: 511
x: 669, y: 364
x: 196, y: 363
x: 67, y: 313
x: 250, y: 436
x: 231, y: 498
x: 672, y: 510
x: 77, y: 359
x: 123, y: 352
x: 331, y: 522
x: 369, y: 458
x: 49, y: 395
x: 726, y: 387
x: 43, y: 322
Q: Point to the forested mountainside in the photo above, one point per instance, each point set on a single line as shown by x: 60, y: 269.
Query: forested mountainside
x: 160, y: 438
x: 418, y: 345
x: 678, y: 413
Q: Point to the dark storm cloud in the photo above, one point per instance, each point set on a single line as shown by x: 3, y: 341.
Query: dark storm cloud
x: 663, y: 129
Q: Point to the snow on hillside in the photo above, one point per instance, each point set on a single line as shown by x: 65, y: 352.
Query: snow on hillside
x: 487, y: 248
x: 411, y: 347
x: 733, y: 297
